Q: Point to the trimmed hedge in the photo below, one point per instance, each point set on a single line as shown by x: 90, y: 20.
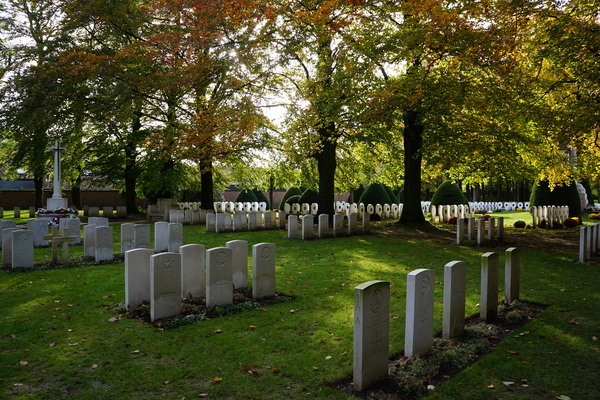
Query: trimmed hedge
x: 309, y: 196
x: 375, y: 194
x: 391, y: 194
x: 448, y: 194
x: 566, y: 195
x: 293, y: 191
x: 293, y: 199
x: 246, y: 196
x: 588, y: 191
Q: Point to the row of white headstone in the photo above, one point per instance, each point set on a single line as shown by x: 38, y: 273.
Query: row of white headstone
x: 168, y: 236
x: 307, y: 229
x: 372, y: 305
x: 589, y: 242
x: 163, y: 279
x: 107, y: 211
x: 241, y: 221
x: 551, y: 214
x: 495, y: 232
x: 444, y: 213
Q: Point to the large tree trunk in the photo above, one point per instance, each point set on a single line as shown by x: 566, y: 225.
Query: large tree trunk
x: 413, y: 142
x: 326, y: 164
x: 76, y: 193
x: 206, y: 186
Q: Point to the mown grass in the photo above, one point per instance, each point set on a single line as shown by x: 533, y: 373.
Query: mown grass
x: 56, y: 339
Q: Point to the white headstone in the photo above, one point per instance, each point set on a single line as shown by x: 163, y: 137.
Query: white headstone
x: 371, y: 333
x: 366, y: 223
x: 455, y: 289
x: 237, y: 222
x: 282, y: 220
x: 7, y: 238
x: 227, y: 221
x: 137, y: 277
x: 252, y: 220
x: 512, y: 274
x: 219, y: 285
x: 480, y: 231
x: 308, y: 226
x: 193, y: 270
x: 211, y: 222
x: 5, y: 224
x: 108, y: 212
x: 491, y: 230
x: 268, y: 220
x: 323, y: 225
x: 89, y: 240
x: 460, y: 231
x: 93, y: 212
x: 161, y: 236
x: 352, y: 223
x: 263, y: 270
x: 165, y: 285
x: 338, y: 224
x: 292, y: 226
x: 418, y: 338
x: 489, y: 287
x: 74, y: 227
x: 98, y: 221
x: 22, y: 249
x: 175, y: 237
x: 39, y: 227
x: 104, y: 243
x: 127, y: 237
x: 239, y: 263
x: 188, y: 216
x: 471, y: 228
x: 141, y: 236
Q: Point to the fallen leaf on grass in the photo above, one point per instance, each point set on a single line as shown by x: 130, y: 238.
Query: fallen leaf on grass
x: 247, y: 367
x: 166, y: 382
x: 217, y: 331
x: 203, y: 395
x: 512, y: 352
x: 253, y: 373
x: 490, y: 386
x: 52, y: 344
x: 135, y: 352
x: 113, y: 319
x: 344, y: 353
x: 17, y: 384
x: 594, y: 338
x: 563, y: 397
x: 217, y: 380
x: 430, y: 387
x: 315, y: 368
x: 252, y: 326
x: 12, y: 335
x: 95, y: 366
x: 328, y: 357
x: 23, y: 363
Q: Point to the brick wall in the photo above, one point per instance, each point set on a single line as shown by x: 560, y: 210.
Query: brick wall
x: 25, y: 199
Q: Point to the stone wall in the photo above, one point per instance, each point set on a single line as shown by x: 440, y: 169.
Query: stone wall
x: 94, y: 198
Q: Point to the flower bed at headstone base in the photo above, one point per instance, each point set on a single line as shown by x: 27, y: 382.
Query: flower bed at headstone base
x: 414, y: 377
x: 194, y: 309
x: 54, y: 216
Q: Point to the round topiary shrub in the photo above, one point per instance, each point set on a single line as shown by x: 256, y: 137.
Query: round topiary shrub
x: 448, y: 194
x: 309, y: 196
x: 375, y: 194
x: 293, y: 199
x: 293, y: 191
x: 520, y: 224
x: 262, y: 197
x: 246, y: 196
x: 570, y: 222
x: 565, y: 195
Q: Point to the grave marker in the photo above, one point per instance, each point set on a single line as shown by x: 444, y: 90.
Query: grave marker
x: 263, y: 270
x: 308, y: 226
x: 489, y: 287
x: 141, y: 236
x: 338, y: 224
x: 323, y: 225
x: 292, y: 226
x: 137, y: 277
x: 161, y: 236
x: 89, y: 240
x: 22, y: 249
x: 58, y: 239
x: 175, y: 237
x: 419, y: 312
x: 371, y: 333
x: 366, y: 223
x: 211, y: 221
x: 455, y: 286
x: 460, y: 231
x: 193, y: 270
x: 39, y: 228
x: 239, y: 263
x: 165, y: 285
x: 127, y: 235
x: 74, y: 227
x: 219, y: 285
x: 7, y: 238
x: 352, y: 223
x: 512, y: 273
x: 104, y: 243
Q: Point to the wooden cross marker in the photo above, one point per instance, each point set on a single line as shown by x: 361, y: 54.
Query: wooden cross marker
x: 56, y: 238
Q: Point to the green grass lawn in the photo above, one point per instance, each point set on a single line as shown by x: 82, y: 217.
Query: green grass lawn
x: 56, y: 339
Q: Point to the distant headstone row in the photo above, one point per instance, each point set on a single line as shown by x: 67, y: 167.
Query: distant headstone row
x: 372, y: 304
x: 242, y: 221
x: 306, y: 230
x: 551, y: 214
x: 476, y: 229
x: 164, y: 279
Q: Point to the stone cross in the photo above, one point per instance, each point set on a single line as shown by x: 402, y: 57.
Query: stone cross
x: 57, y: 239
x: 57, y: 178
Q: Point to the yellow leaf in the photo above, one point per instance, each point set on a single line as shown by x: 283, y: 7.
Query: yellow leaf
x: 490, y: 386
x: 217, y: 380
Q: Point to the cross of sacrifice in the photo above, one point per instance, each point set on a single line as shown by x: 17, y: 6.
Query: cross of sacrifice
x: 56, y: 238
x: 57, y: 178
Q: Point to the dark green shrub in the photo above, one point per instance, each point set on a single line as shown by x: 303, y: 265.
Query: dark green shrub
x: 448, y: 194
x: 309, y: 196
x: 565, y: 195
x: 303, y: 188
x: 261, y: 196
x: 401, y: 196
x: 293, y: 199
x: 357, y: 193
x: 391, y: 195
x: 453, y: 220
x: 520, y: 224
x: 246, y: 196
x: 293, y: 191
x: 375, y: 194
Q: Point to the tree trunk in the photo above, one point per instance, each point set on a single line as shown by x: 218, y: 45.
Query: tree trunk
x: 326, y: 164
x: 38, y: 181
x: 206, y: 186
x: 76, y: 193
x: 271, y: 189
x: 413, y: 142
